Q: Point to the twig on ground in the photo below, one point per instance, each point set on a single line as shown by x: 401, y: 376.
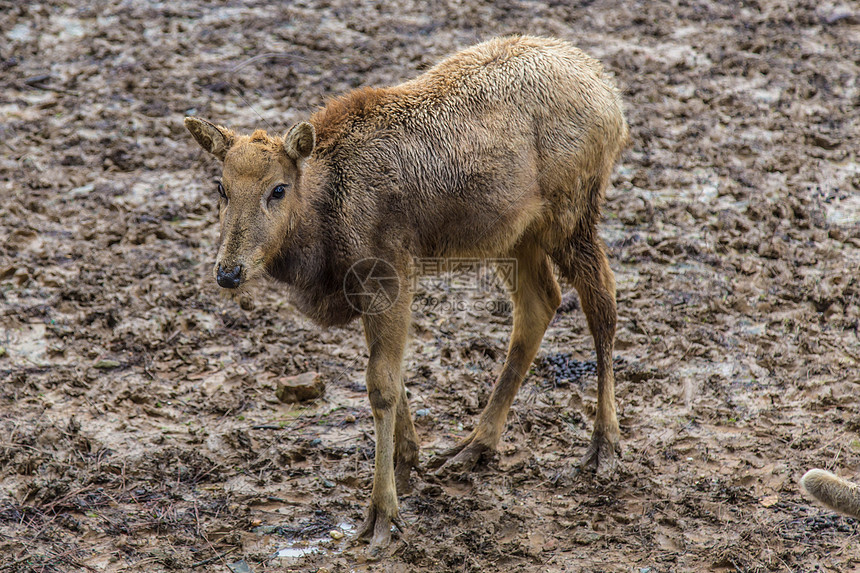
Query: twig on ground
x: 212, y: 559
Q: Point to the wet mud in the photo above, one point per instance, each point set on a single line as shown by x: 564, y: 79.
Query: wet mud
x: 139, y: 424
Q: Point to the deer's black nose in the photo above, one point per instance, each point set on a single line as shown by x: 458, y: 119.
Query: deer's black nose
x: 229, y: 279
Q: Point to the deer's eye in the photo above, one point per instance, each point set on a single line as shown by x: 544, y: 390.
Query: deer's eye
x: 221, y: 191
x: 279, y: 192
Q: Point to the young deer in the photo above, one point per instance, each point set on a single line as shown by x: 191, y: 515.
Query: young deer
x: 502, y: 150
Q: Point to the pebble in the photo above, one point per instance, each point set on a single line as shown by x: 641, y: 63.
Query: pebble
x: 239, y: 567
x: 265, y: 529
x: 422, y: 412
x: 349, y: 419
x: 328, y: 483
x: 336, y: 534
x: 307, y: 386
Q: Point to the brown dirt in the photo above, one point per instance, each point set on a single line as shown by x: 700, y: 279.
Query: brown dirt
x: 139, y: 429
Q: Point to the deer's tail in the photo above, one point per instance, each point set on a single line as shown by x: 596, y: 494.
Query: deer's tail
x: 833, y: 491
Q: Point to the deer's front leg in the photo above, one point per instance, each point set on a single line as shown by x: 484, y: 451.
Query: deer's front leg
x: 386, y: 338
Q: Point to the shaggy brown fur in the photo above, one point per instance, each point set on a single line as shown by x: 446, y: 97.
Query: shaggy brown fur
x: 833, y: 491
x: 502, y: 150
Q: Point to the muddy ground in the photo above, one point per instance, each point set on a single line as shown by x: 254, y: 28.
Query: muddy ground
x: 139, y: 429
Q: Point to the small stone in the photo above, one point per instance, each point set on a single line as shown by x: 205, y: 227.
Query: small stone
x: 307, y: 386
x: 328, y: 483
x: 769, y: 500
x: 349, y: 418
x: 239, y: 567
x: 422, y: 412
x: 265, y: 529
x: 336, y: 534
x: 106, y: 364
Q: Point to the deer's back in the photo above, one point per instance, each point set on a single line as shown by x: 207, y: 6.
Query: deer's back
x: 486, y: 140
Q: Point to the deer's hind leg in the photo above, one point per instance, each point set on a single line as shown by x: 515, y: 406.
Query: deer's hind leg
x: 536, y: 296
x: 582, y: 260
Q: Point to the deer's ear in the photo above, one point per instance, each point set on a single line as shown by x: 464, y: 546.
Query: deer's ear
x: 300, y: 140
x: 213, y: 138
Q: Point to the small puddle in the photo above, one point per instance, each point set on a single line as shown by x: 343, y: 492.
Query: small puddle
x: 297, y: 551
x: 312, y: 546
